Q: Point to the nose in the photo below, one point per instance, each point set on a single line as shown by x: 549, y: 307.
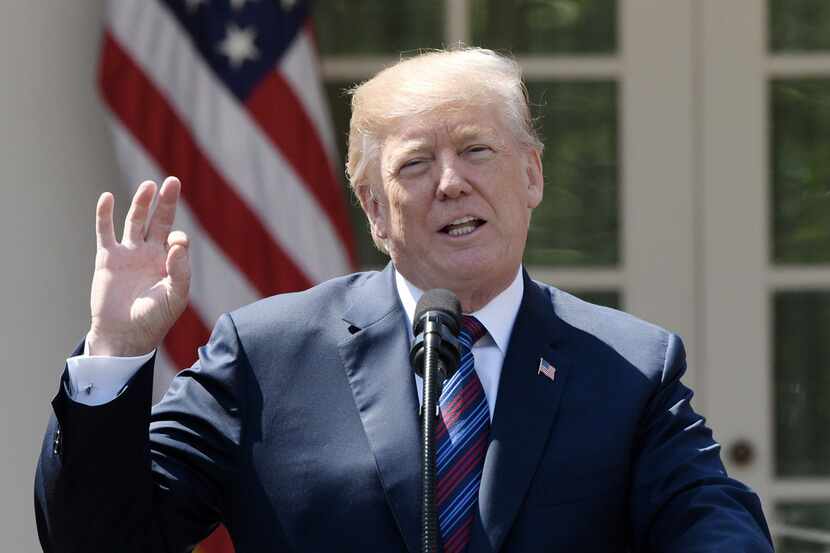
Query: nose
x: 451, y: 183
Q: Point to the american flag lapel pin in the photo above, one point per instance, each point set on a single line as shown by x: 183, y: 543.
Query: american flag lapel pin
x: 546, y: 369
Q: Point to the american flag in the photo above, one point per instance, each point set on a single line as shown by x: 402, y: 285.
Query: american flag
x: 226, y: 95
x: 546, y: 369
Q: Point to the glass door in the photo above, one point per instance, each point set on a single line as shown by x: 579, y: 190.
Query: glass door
x: 765, y: 158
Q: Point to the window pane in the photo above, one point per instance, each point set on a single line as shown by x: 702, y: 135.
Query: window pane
x: 367, y: 254
x: 578, y: 221
x: 608, y: 298
x: 802, y: 383
x: 808, y: 516
x: 353, y: 27
x: 542, y: 27
x: 800, y: 170
x: 799, y: 25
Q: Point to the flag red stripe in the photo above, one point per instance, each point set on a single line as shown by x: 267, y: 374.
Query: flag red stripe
x: 218, y: 542
x: 281, y: 116
x: 217, y: 206
x: 187, y: 334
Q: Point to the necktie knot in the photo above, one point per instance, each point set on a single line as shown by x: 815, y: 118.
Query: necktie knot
x: 471, y: 330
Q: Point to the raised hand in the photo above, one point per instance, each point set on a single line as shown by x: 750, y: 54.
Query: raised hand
x: 141, y: 284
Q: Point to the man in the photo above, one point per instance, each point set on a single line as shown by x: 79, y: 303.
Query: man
x: 298, y: 426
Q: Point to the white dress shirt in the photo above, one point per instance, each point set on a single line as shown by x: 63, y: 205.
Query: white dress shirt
x: 497, y: 317
x: 98, y: 379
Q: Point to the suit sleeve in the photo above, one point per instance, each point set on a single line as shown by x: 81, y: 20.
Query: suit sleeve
x: 682, y: 499
x: 123, y: 477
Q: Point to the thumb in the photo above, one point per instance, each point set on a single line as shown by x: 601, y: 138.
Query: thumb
x: 177, y: 264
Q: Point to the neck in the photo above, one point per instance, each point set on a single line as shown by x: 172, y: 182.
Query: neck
x: 472, y: 302
x: 473, y: 294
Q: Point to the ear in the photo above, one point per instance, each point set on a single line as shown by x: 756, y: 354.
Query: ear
x: 374, y: 209
x: 535, y: 178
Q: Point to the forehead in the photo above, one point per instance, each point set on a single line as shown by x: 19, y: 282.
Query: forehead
x: 457, y: 125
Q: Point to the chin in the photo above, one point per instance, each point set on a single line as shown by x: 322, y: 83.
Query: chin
x: 482, y: 258
x: 467, y: 270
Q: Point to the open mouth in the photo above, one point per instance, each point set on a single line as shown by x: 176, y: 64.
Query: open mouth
x: 463, y: 226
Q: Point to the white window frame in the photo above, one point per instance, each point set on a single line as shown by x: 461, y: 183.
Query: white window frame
x: 739, y: 277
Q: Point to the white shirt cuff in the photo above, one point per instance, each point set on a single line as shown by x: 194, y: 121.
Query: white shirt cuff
x: 98, y: 379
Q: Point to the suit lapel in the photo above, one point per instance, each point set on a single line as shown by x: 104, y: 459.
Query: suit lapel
x: 376, y: 359
x: 526, y: 407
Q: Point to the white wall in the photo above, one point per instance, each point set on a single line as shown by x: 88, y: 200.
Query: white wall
x: 55, y: 159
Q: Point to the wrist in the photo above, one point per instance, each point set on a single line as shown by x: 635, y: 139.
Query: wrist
x: 115, y: 346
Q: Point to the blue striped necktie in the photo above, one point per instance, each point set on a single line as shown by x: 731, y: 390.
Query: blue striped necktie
x: 462, y: 437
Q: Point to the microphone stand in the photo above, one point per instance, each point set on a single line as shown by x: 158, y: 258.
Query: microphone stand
x: 437, y: 347
x: 429, y: 418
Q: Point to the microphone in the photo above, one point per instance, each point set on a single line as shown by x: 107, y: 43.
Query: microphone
x: 435, y: 325
x: 434, y: 356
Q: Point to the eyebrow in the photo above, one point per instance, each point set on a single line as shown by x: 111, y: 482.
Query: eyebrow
x: 470, y: 132
x: 461, y: 134
x: 404, y: 151
x: 412, y: 146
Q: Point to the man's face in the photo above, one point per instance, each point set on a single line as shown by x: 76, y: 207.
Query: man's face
x: 455, y: 201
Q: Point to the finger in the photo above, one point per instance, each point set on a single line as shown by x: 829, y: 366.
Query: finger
x: 139, y: 209
x: 104, y: 229
x: 177, y: 265
x: 177, y: 237
x: 162, y: 219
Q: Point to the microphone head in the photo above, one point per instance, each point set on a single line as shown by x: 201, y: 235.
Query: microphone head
x: 439, y: 299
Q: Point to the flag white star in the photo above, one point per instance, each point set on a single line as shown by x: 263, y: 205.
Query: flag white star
x: 193, y: 5
x: 239, y: 4
x: 288, y: 4
x: 238, y: 45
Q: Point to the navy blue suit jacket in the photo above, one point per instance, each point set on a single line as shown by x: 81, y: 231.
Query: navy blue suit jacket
x: 298, y: 429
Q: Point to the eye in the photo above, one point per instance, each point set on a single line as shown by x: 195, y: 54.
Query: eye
x: 479, y: 151
x: 413, y: 166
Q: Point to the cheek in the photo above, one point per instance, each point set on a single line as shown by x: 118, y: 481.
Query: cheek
x: 397, y: 210
x: 408, y: 204
x: 401, y: 220
x: 514, y: 214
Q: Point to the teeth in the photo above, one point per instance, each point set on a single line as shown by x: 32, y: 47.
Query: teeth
x: 464, y: 225
x: 464, y: 229
x: 463, y: 220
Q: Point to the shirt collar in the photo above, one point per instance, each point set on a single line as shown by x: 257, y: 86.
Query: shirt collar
x: 497, y: 316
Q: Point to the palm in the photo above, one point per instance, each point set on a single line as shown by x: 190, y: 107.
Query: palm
x: 140, y: 285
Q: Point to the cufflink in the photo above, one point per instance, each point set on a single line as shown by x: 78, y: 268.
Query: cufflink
x: 88, y: 388
x: 56, y: 443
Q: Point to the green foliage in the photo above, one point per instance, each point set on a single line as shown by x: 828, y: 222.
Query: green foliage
x: 800, y: 127
x: 608, y: 298
x: 359, y: 27
x: 798, y: 25
x: 578, y: 221
x: 546, y: 26
x: 801, y: 376
x: 802, y: 515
